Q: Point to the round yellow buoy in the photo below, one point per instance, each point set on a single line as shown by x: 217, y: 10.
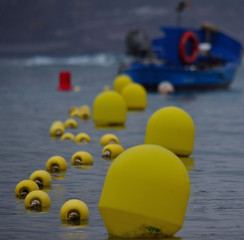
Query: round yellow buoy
x: 109, y: 109
x: 109, y: 139
x: 57, y: 129
x: 135, y: 96
x: 24, y: 187
x: 75, y: 112
x: 37, y: 201
x: 85, y: 112
x: 41, y: 178
x: 82, y: 138
x: 165, y: 88
x: 172, y: 128
x: 145, y: 193
x: 111, y: 151
x: 74, y: 210
x: 70, y: 123
x: 82, y: 158
x: 72, y: 109
x: 56, y: 164
x: 121, y: 81
x: 68, y: 136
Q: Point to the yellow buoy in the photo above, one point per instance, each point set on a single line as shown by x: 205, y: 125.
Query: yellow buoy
x: 41, y: 178
x: 82, y: 158
x: 145, y: 193
x: 74, y: 210
x: 68, y: 136
x: 56, y: 164
x: 56, y: 129
x: 109, y: 109
x: 121, y: 81
x: 73, y: 109
x: 172, y: 128
x: 37, y: 201
x: 82, y: 138
x: 135, y: 96
x: 85, y: 112
x: 109, y: 139
x: 70, y: 123
x: 75, y: 112
x: 24, y: 187
x: 111, y: 151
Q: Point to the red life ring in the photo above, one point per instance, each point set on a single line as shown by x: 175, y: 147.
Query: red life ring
x: 186, y: 37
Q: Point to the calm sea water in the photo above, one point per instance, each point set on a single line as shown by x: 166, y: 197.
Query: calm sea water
x: 29, y: 103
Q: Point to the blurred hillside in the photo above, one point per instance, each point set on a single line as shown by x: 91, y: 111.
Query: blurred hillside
x: 74, y: 27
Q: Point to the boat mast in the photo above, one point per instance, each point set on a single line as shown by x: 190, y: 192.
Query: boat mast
x: 181, y: 5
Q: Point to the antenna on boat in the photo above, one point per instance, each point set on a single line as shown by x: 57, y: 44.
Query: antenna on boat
x: 181, y: 5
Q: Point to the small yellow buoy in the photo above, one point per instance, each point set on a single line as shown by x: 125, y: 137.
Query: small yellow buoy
x: 145, y: 193
x: 37, y: 201
x: 68, y: 136
x: 135, y: 96
x: 56, y: 164
x: 41, y: 178
x: 57, y: 129
x: 109, y: 139
x: 70, y: 123
x: 172, y: 128
x: 75, y: 112
x: 72, y: 109
x: 82, y: 158
x: 74, y: 210
x: 121, y: 81
x: 111, y: 151
x: 109, y: 109
x: 84, y: 112
x: 24, y: 187
x: 82, y: 138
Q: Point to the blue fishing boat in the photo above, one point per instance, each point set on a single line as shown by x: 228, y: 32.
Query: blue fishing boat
x: 187, y: 58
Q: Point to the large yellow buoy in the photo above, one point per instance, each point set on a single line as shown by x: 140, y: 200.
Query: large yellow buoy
x: 56, y: 164
x: 25, y: 187
x: 109, y: 109
x: 172, y: 128
x: 109, y: 139
x: 145, y: 193
x: 135, y: 96
x: 68, y: 136
x: 82, y: 158
x: 56, y: 129
x: 82, y: 138
x: 84, y: 112
x: 37, y: 201
x: 121, y: 81
x: 74, y: 210
x: 41, y: 178
x: 70, y: 123
x: 111, y: 151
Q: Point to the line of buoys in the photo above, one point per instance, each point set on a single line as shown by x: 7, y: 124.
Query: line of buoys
x: 41, y: 178
x: 24, y: 187
x: 145, y: 193
x: 68, y: 136
x: 135, y: 96
x: 74, y: 210
x: 37, y: 200
x: 82, y: 158
x: 109, y: 109
x: 111, y: 151
x: 109, y: 139
x: 70, y: 123
x: 172, y: 128
x: 56, y: 164
x: 82, y: 138
x: 84, y: 112
x: 57, y: 129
